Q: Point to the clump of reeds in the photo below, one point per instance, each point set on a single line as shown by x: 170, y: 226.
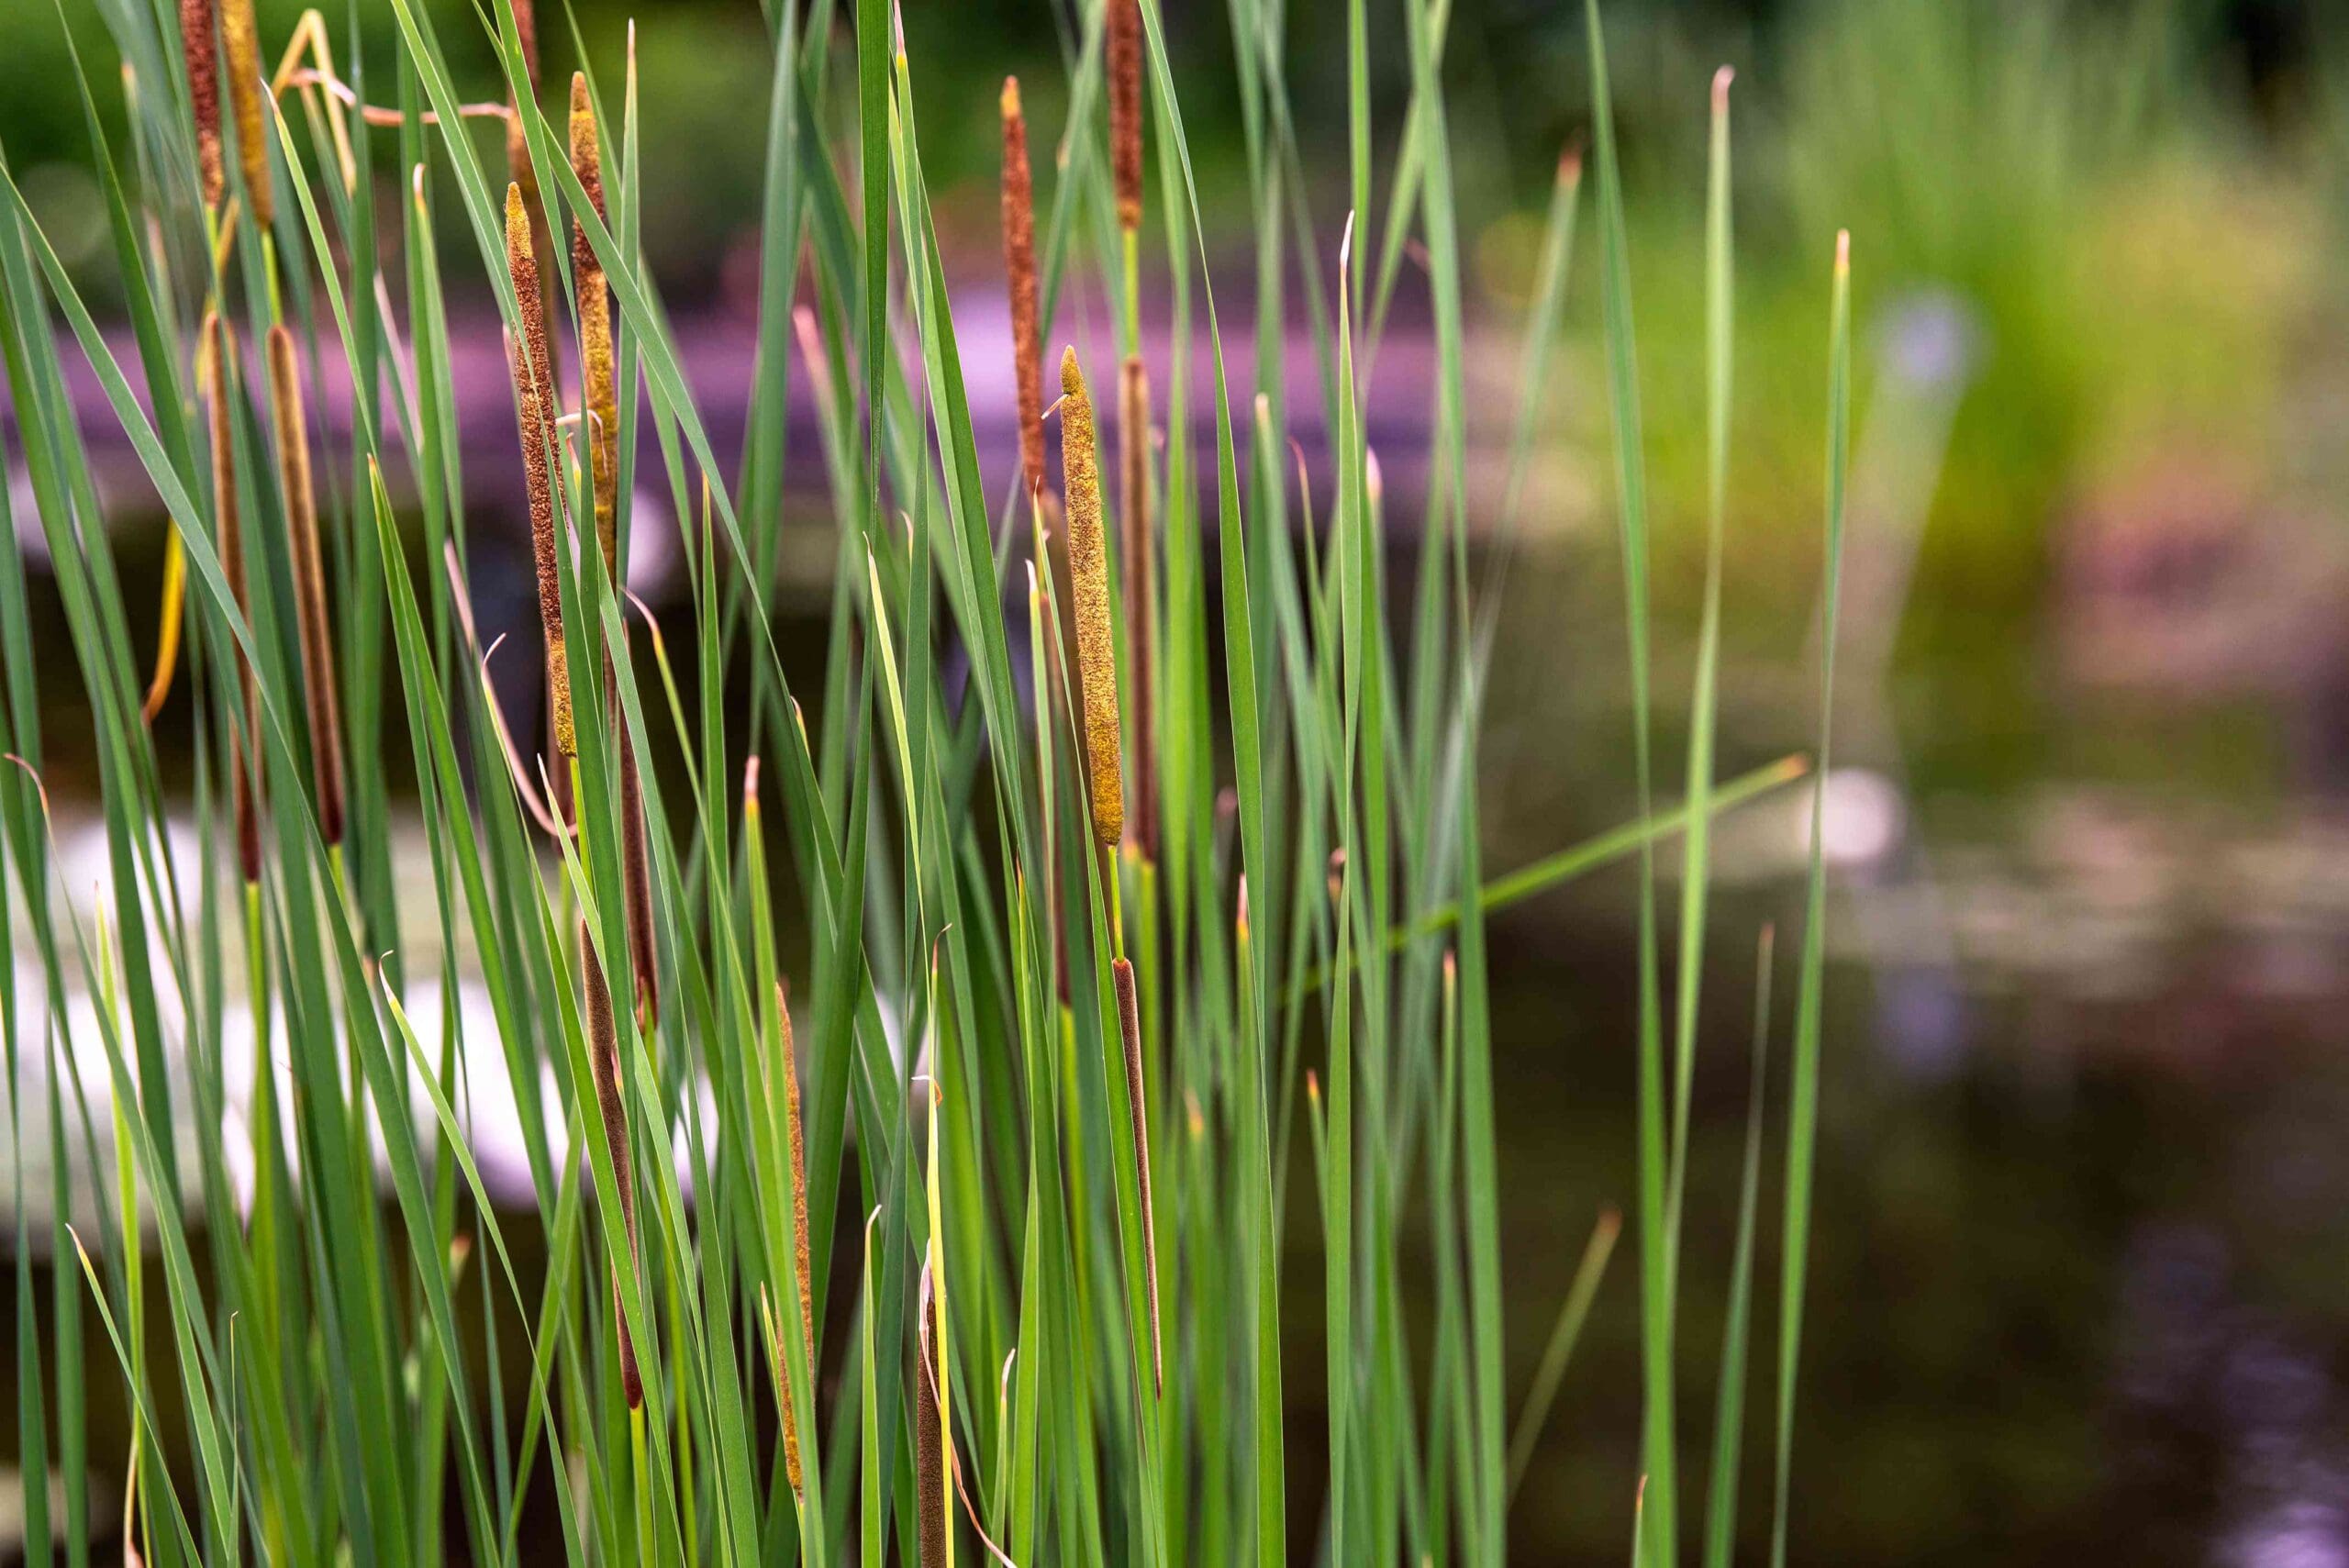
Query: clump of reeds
x: 1097, y: 656
x: 203, y: 51
x: 309, y: 580
x: 243, y: 48
x: 604, y: 1065
x: 228, y: 540
x: 532, y: 386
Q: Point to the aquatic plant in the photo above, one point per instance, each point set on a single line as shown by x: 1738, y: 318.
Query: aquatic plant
x: 1047, y: 1042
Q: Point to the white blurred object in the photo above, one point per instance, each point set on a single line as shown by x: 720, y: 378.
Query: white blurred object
x: 1862, y: 819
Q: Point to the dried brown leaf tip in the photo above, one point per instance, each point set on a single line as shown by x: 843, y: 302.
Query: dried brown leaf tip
x: 309, y: 580
x: 1097, y: 652
x: 599, y: 390
x: 1125, y: 109
x: 243, y: 48
x: 198, y: 42
x: 1020, y: 271
x: 532, y: 387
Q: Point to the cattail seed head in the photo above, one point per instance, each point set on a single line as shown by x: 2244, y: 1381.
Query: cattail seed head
x: 1125, y: 109
x: 198, y: 42
x: 599, y: 392
x: 532, y: 387
x: 929, y: 1441
x: 1019, y: 270
x: 309, y: 580
x: 1136, y: 560
x: 243, y: 46
x: 1097, y: 656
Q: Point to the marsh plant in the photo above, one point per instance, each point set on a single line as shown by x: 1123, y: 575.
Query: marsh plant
x: 934, y: 1082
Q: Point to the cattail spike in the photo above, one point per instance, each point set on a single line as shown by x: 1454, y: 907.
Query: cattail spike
x: 1129, y: 1031
x: 309, y: 580
x: 604, y: 1063
x: 1125, y: 109
x: 1136, y: 560
x: 1020, y: 271
x: 929, y: 1441
x: 242, y: 45
x: 203, y: 51
x: 1096, y: 657
x: 532, y: 387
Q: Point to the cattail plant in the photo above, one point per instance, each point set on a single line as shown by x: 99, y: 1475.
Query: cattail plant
x: 1096, y: 667
x: 220, y: 353
x: 603, y: 1064
x: 599, y: 402
x: 309, y: 580
x: 242, y: 46
x: 528, y: 356
x: 1219, y: 982
x: 1096, y: 657
x: 203, y: 51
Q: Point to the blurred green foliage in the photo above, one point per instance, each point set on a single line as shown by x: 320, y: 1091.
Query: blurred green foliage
x: 2114, y: 202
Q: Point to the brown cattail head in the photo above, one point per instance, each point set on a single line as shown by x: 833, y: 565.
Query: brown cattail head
x: 1129, y: 1032
x: 1125, y: 109
x: 789, y: 1067
x: 243, y: 49
x: 599, y: 390
x: 228, y: 538
x: 1096, y: 654
x: 531, y: 391
x: 929, y: 1440
x: 1019, y: 270
x: 1135, y: 561
x: 309, y: 580
x: 198, y: 42
x: 604, y: 1063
